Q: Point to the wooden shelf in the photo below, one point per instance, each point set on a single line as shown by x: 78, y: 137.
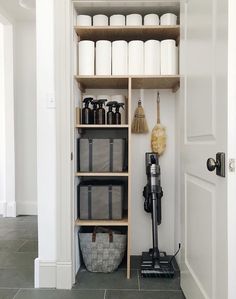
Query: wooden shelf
x: 156, y: 82
x: 96, y: 82
x: 111, y: 174
x: 146, y: 82
x: 122, y: 222
x: 128, y: 32
x: 101, y: 126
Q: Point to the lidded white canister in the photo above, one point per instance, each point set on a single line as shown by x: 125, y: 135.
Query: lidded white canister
x: 134, y: 20
x: 100, y: 20
x: 117, y: 20
x: 84, y: 20
x: 169, y: 19
x: 151, y: 20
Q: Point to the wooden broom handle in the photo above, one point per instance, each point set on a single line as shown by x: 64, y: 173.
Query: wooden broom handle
x: 158, y: 108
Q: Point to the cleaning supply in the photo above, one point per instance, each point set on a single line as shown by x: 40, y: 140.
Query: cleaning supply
x: 94, y: 111
x: 110, y: 113
x: 155, y: 263
x: 158, y: 139
x: 139, y: 123
x: 101, y: 112
x: 118, y: 114
x: 86, y: 111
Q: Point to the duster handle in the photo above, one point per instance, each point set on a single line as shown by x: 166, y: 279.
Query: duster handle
x: 158, y: 108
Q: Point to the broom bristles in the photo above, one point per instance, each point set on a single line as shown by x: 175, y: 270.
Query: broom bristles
x: 139, y: 123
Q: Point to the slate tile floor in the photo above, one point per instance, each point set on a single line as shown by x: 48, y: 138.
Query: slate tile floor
x: 18, y: 249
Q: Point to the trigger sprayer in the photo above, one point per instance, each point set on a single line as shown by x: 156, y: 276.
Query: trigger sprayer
x: 110, y: 113
x: 86, y: 111
x: 101, y: 112
x: 118, y: 114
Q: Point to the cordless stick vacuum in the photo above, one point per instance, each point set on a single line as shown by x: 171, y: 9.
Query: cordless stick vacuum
x: 155, y: 263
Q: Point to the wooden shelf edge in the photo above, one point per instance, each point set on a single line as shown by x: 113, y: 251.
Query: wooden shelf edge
x: 122, y: 222
x: 101, y: 126
x: 158, y: 27
x: 120, y: 174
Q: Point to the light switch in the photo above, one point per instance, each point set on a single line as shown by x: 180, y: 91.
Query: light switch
x: 51, y: 103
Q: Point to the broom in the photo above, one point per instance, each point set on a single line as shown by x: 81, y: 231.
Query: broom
x: 158, y: 139
x: 139, y: 123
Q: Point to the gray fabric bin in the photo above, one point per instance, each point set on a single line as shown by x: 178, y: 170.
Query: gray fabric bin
x: 102, y: 155
x: 100, y: 200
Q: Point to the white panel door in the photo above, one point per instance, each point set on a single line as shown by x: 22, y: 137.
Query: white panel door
x: 204, y: 194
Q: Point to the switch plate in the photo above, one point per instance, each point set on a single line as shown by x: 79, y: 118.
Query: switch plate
x: 51, y: 103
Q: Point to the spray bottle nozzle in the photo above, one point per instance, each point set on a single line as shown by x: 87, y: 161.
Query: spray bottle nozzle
x: 119, y: 105
x: 101, y: 102
x: 94, y: 103
x: 86, y: 101
x: 111, y: 104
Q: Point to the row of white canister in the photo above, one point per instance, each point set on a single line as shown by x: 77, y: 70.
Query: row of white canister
x: 129, y: 20
x: 136, y: 57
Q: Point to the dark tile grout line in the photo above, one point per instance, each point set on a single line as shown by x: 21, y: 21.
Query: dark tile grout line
x: 24, y: 242
x: 16, y: 294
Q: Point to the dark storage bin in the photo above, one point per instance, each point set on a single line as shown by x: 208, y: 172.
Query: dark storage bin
x: 101, y: 200
x: 102, y: 155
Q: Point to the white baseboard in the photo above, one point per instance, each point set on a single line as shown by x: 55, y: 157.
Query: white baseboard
x: 26, y: 208
x: 44, y: 274
x: 2, y: 207
x: 64, y: 275
x: 50, y: 274
x: 8, y: 209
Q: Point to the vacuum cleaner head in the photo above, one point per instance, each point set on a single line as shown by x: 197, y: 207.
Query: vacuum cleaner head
x: 164, y: 269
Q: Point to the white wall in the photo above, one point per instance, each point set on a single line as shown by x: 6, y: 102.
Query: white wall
x: 7, y: 155
x: 25, y: 117
x: 46, y: 147
x: 141, y: 221
x: 2, y: 126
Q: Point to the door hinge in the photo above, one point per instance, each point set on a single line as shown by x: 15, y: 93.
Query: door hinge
x: 231, y: 165
x: 71, y: 156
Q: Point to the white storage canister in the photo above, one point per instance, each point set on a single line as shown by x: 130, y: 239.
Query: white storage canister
x: 168, y: 57
x: 151, y: 20
x: 152, y: 57
x: 86, y: 57
x: 117, y: 20
x: 103, y: 57
x: 124, y: 112
x: 136, y: 57
x: 84, y: 20
x: 169, y: 19
x: 134, y: 20
x: 100, y: 20
x: 119, y: 57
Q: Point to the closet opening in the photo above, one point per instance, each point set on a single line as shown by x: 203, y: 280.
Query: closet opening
x: 110, y: 155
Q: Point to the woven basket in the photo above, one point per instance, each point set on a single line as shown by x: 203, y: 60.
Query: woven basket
x: 102, y: 252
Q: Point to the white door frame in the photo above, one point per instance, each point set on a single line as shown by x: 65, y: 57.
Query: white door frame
x: 8, y: 203
x: 63, y: 149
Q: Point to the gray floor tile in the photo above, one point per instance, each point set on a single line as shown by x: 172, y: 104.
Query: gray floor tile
x: 10, y: 245
x: 135, y: 262
x: 29, y: 246
x: 59, y: 294
x: 18, y: 234
x: 7, y: 293
x: 17, y: 260
x: 144, y: 294
x: 160, y: 283
x: 17, y: 278
x: 115, y: 280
